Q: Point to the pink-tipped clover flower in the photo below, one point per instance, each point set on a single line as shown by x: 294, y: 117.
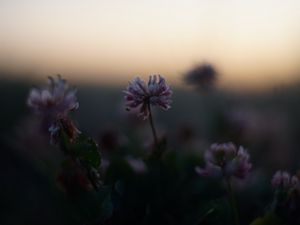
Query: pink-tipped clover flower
x: 141, y: 96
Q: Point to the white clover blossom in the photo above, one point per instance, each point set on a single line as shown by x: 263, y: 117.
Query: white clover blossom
x: 156, y: 93
x: 225, y: 160
x: 53, y: 103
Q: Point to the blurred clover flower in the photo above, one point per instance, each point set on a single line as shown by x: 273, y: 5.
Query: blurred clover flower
x: 225, y: 160
x: 53, y: 103
x: 202, y: 76
x: 287, y: 193
x: 156, y: 93
x: 137, y: 165
x: 283, y: 179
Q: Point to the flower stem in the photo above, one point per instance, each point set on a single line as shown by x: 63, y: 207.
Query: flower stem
x: 232, y: 202
x: 152, y: 125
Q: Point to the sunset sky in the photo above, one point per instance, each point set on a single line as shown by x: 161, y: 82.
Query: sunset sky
x: 252, y: 43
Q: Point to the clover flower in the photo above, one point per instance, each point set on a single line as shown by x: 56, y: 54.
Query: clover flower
x: 55, y: 100
x: 225, y: 160
x: 53, y: 103
x: 156, y: 93
x: 202, y: 76
x: 282, y: 179
x: 287, y: 191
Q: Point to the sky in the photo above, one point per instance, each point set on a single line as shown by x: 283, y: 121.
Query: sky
x: 252, y: 44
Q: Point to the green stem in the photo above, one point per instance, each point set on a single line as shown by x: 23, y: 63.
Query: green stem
x: 152, y: 125
x: 232, y: 202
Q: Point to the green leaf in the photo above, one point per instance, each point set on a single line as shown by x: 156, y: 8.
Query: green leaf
x: 85, y: 149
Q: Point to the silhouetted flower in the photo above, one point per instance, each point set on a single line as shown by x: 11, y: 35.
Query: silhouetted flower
x: 225, y: 160
x: 53, y: 103
x: 202, y: 76
x: 156, y: 93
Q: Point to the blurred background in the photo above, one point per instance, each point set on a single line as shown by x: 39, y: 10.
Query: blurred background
x: 255, y: 44
x: 233, y: 65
